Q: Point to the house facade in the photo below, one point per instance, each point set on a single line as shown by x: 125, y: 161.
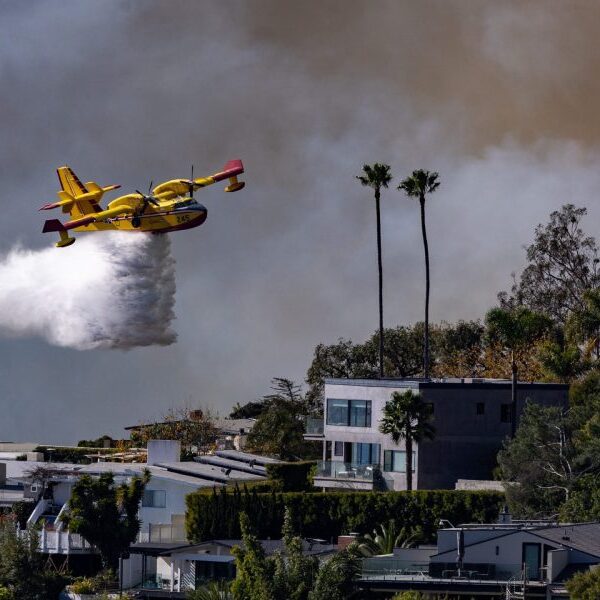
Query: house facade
x: 503, y: 561
x: 471, y: 417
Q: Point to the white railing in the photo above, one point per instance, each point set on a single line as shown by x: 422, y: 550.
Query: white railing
x: 61, y: 542
x: 38, y: 511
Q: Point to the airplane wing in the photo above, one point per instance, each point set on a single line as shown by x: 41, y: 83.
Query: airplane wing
x: 180, y: 187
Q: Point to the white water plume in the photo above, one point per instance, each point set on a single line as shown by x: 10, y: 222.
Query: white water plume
x: 108, y: 290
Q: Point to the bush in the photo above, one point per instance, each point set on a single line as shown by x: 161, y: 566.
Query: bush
x: 85, y: 585
x: 215, y: 515
x: 292, y: 476
x: 5, y: 593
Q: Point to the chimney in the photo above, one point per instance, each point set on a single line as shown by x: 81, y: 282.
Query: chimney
x: 163, y: 451
x: 344, y: 541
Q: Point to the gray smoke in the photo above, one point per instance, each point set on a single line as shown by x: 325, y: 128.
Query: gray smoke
x: 108, y: 290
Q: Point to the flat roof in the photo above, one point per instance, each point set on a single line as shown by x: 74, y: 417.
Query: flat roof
x: 417, y: 383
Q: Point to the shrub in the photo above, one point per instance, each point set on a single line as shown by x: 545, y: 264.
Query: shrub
x: 85, y: 585
x: 215, y: 515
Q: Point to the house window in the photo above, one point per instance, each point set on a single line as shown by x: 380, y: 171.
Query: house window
x: 365, y: 454
x: 351, y: 413
x: 395, y: 461
x: 338, y: 449
x: 506, y: 413
x: 480, y: 408
x: 154, y: 499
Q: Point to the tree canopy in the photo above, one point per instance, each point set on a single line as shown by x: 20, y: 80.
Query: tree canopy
x: 106, y: 513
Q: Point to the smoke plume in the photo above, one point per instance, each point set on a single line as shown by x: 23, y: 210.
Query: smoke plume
x: 106, y: 291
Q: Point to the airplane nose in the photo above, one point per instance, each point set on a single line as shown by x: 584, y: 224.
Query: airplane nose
x: 203, y: 213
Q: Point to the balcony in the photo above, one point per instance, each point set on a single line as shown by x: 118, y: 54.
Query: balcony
x: 342, y: 475
x: 313, y: 428
x: 389, y: 568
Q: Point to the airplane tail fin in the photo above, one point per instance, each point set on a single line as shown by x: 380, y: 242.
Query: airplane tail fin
x: 230, y: 171
x: 54, y: 225
x: 76, y: 198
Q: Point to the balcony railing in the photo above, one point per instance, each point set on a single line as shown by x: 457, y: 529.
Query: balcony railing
x: 346, y: 471
x: 313, y: 426
x: 389, y: 567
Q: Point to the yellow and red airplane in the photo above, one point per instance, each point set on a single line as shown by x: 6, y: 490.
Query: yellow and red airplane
x: 169, y: 206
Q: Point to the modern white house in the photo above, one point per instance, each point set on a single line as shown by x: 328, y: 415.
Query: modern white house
x: 162, y: 509
x: 471, y: 417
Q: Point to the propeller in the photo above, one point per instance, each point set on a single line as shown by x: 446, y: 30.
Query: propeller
x: 191, y: 184
x: 148, y: 198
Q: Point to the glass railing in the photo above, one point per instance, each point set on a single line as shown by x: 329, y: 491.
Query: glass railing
x: 346, y: 471
x: 387, y: 567
x: 313, y: 426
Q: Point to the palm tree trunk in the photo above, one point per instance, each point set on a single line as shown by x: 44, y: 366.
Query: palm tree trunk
x: 426, y: 334
x: 409, y: 467
x: 513, y: 404
x: 380, y: 265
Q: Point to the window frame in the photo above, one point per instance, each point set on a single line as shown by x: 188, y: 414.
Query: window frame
x: 355, y: 414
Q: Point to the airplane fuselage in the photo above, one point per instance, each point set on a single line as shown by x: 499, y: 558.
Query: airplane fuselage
x: 159, y: 219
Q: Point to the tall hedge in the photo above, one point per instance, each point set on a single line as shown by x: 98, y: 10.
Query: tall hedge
x: 327, y: 515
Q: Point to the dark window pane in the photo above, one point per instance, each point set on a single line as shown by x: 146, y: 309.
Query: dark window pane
x: 481, y: 408
x: 337, y: 412
x: 338, y: 449
x: 506, y: 413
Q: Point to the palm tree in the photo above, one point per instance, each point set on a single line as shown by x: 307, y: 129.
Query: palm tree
x: 418, y: 185
x: 384, y: 539
x: 406, y: 417
x: 377, y: 176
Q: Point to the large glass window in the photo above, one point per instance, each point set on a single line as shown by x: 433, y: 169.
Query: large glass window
x: 365, y: 454
x: 395, y: 460
x: 337, y: 412
x: 352, y: 413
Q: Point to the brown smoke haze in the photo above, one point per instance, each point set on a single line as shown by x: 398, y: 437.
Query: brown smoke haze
x: 500, y: 97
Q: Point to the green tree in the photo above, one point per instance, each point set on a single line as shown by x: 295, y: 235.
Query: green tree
x: 584, y: 585
x: 254, y: 573
x: 385, y: 538
x: 279, y: 430
x: 194, y: 429
x: 406, y: 417
x: 377, y: 176
x: 583, y: 324
x: 544, y: 462
x: 514, y: 329
x: 106, y: 514
x: 562, y: 266
x: 419, y: 185
x: 336, y: 576
x: 22, y: 574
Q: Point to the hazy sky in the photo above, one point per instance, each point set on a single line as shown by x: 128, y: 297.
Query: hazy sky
x: 501, y: 98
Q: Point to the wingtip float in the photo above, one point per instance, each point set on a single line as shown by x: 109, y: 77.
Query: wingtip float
x: 170, y: 206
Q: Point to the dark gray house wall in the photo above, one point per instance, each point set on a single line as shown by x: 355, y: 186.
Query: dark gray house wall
x: 467, y: 443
